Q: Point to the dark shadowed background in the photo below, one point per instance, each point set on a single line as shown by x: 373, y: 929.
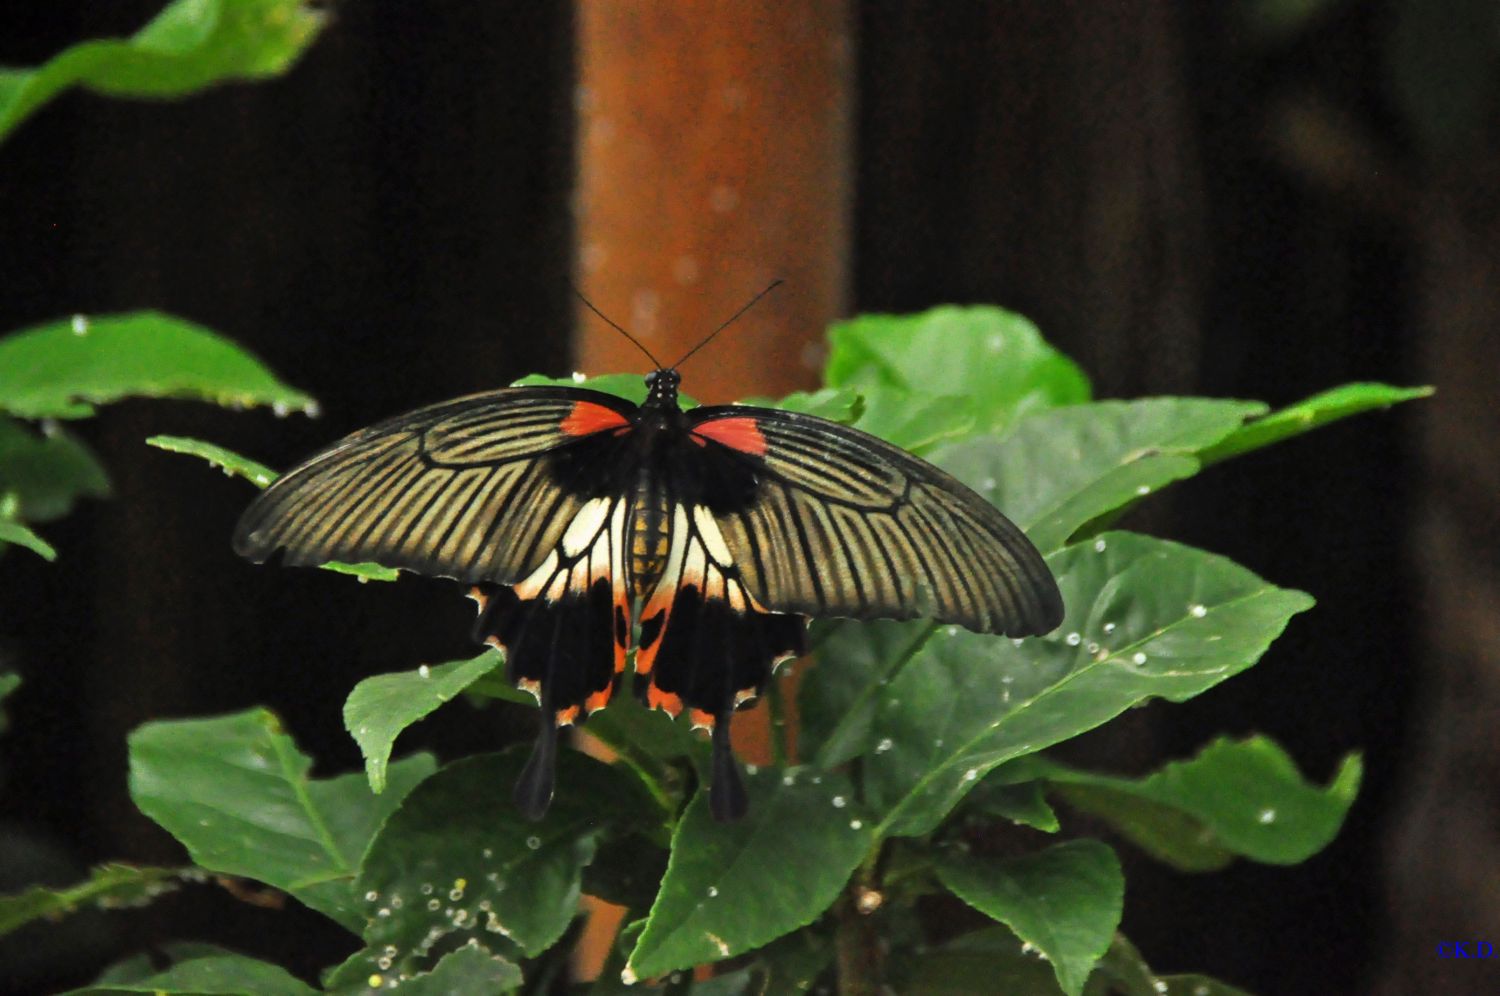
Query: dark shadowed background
x: 1236, y: 199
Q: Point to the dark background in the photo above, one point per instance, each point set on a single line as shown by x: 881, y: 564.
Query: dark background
x: 1195, y: 199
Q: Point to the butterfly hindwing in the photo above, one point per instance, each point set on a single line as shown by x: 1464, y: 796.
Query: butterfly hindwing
x: 706, y: 645
x: 557, y: 628
x: 843, y: 523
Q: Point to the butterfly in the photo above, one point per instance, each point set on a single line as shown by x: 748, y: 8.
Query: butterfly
x: 588, y: 526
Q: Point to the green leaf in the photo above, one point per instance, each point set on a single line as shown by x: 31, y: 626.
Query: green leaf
x: 837, y: 699
x: 109, y: 886
x: 191, y: 44
x: 1060, y: 470
x: 14, y: 532
x: 730, y: 888
x: 62, y: 369
x: 993, y: 960
x: 9, y: 682
x: 1065, y: 901
x: 1145, y: 618
x: 631, y: 387
x: 221, y: 973
x: 834, y: 404
x: 1236, y: 797
x: 470, y: 969
x: 914, y: 421
x: 381, y: 706
x: 230, y: 462
x: 1024, y: 802
x: 995, y: 358
x: 1309, y: 414
x: 458, y: 858
x: 235, y: 791
x: 48, y: 471
x: 1122, y: 970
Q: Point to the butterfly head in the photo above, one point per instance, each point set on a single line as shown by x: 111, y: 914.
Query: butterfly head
x: 661, y: 388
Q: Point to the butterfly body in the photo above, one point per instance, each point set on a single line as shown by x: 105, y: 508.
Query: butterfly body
x: 590, y: 527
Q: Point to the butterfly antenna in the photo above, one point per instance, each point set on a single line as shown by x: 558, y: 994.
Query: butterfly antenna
x: 729, y: 321
x: 612, y: 324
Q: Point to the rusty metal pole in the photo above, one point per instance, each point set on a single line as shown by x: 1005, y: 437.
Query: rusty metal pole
x: 713, y: 157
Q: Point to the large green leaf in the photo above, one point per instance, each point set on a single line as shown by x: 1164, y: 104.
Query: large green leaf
x: 458, y: 858
x: 235, y: 791
x: 62, y: 369
x: 381, y: 706
x: 189, y: 45
x: 1308, y: 414
x: 108, y: 887
x: 995, y: 358
x: 1065, y: 901
x: 1236, y: 797
x: 48, y: 471
x: 730, y: 888
x: 1145, y: 618
x: 1062, y: 469
x: 837, y: 699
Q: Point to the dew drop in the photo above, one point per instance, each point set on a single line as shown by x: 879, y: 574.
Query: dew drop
x: 426, y: 889
x: 1267, y: 816
x: 396, y: 902
x: 856, y: 824
x: 371, y: 896
x: 1139, y: 657
x: 1100, y: 545
x: 433, y: 904
x: 1074, y: 639
x: 382, y: 912
x: 384, y: 962
x: 839, y: 802
x: 884, y: 745
x: 579, y: 376
x: 989, y: 484
x: 1092, y: 647
x: 1109, y: 627
x: 752, y: 769
x: 533, y: 842
x: 789, y: 780
x: 971, y: 774
x: 713, y: 890
x: 488, y: 853
x: 80, y: 324
x: 1160, y: 986
x: 424, y: 671
x: 817, y: 779
x: 280, y: 409
x: 1144, y: 489
x: 1198, y: 611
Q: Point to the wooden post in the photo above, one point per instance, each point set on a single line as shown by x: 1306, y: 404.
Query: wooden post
x: 713, y: 157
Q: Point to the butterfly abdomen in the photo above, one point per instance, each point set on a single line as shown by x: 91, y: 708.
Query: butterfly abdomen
x: 648, y: 534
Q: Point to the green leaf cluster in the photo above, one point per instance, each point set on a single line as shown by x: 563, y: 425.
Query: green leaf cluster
x: 914, y: 737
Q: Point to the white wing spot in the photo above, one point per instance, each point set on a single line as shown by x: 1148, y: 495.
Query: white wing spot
x: 708, y: 529
x: 585, y: 526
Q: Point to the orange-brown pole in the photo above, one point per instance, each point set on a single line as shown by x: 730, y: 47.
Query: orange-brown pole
x: 713, y: 157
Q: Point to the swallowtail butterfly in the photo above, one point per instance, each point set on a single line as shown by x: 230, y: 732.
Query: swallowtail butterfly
x: 589, y: 526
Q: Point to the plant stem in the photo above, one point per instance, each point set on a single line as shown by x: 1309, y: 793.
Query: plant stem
x: 776, y: 708
x: 861, y: 965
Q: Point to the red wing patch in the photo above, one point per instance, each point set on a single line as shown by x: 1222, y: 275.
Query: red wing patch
x: 739, y: 433
x: 587, y: 418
